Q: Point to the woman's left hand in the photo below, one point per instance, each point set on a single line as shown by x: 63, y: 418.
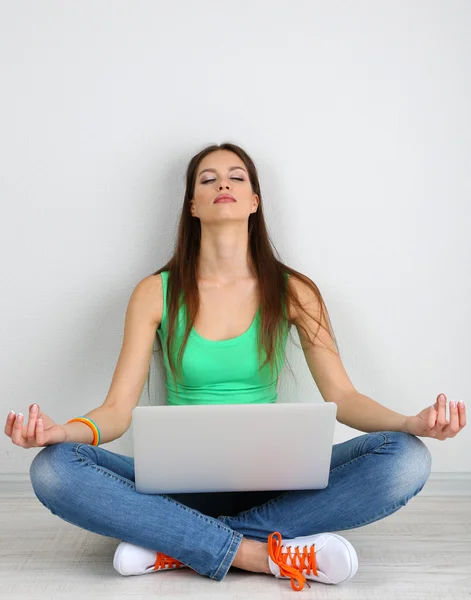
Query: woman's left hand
x: 432, y: 421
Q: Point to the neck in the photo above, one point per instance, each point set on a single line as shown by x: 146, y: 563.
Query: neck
x: 224, y: 253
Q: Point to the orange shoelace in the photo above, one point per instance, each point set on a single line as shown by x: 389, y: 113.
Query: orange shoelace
x: 306, y: 561
x: 163, y: 561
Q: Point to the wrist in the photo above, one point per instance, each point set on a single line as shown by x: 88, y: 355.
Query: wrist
x: 78, y: 432
x: 405, y: 425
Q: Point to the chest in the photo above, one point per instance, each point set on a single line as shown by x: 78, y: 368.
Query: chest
x: 226, y: 311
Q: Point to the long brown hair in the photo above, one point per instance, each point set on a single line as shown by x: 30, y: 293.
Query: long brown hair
x: 270, y: 271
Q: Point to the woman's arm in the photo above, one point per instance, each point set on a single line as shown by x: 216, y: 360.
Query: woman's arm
x: 365, y: 414
x: 112, y: 424
x: 143, y: 317
x: 353, y: 408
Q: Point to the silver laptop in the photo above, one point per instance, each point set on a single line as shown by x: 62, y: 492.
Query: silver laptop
x: 232, y: 447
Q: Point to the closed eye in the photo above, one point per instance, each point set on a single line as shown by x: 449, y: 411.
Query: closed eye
x: 238, y: 178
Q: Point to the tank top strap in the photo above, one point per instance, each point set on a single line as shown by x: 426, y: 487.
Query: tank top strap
x: 164, y: 276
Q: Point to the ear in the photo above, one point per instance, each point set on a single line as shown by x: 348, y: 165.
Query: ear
x: 255, y: 203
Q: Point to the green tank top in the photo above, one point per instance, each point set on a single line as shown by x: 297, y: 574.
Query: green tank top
x: 219, y: 372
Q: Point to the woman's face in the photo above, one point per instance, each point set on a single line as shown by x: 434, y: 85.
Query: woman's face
x: 222, y: 178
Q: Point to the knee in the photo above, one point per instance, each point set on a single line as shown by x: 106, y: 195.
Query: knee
x: 413, y: 462
x: 48, y: 470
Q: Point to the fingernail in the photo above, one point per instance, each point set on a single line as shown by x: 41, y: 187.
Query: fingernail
x: 461, y: 403
x: 33, y: 408
x: 20, y: 415
x: 442, y: 396
x: 452, y: 404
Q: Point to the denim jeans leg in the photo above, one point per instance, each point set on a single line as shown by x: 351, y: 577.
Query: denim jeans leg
x: 94, y: 489
x: 371, y: 477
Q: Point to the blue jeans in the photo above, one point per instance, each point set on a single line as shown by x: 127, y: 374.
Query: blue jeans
x: 371, y: 476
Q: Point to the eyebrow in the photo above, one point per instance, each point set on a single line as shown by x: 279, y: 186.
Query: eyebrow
x: 215, y: 171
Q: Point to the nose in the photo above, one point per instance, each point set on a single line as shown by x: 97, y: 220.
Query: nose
x: 221, y: 186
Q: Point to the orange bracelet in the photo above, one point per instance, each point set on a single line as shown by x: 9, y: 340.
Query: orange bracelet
x: 92, y: 425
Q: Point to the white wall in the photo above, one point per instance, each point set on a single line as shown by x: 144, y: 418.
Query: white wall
x: 357, y: 116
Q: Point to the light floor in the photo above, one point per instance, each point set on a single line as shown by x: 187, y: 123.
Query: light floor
x: 423, y: 551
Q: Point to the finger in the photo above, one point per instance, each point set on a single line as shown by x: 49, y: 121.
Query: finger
x: 462, y: 413
x: 441, y: 420
x: 432, y: 417
x: 31, y: 428
x: 454, y: 425
x: 16, y: 436
x: 9, y: 423
x: 40, y: 433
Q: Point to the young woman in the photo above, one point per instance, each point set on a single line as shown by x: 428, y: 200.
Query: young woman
x: 222, y: 308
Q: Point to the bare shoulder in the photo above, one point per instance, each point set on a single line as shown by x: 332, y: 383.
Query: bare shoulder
x: 314, y: 324
x: 304, y: 294
x: 148, y: 293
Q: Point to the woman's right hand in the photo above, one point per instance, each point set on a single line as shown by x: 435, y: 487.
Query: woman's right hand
x: 39, y: 431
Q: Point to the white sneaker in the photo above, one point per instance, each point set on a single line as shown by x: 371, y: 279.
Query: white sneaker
x: 134, y: 560
x: 323, y: 557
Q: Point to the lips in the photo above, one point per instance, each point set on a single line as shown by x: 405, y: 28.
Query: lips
x: 224, y: 198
